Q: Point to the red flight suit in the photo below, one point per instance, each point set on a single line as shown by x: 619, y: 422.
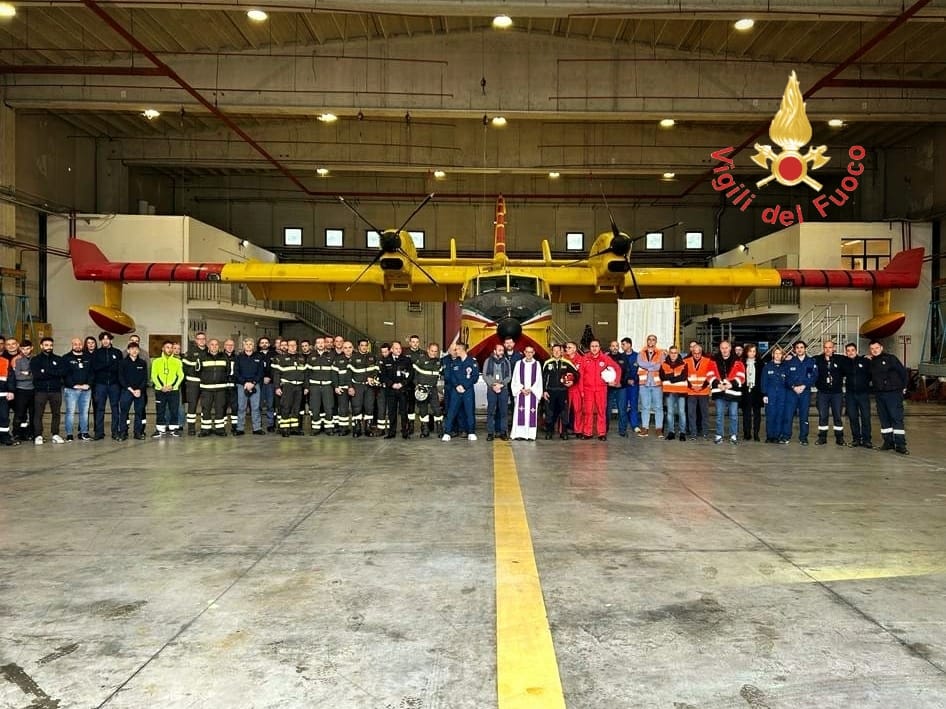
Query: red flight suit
x: 594, y: 391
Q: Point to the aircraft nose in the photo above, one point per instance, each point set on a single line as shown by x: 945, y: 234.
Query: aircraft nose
x: 509, y: 327
x: 620, y: 245
x: 390, y: 241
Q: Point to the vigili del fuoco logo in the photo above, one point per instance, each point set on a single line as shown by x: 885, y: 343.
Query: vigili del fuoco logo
x: 791, y: 131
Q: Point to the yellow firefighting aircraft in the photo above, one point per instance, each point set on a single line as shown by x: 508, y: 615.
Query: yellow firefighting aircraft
x: 499, y: 296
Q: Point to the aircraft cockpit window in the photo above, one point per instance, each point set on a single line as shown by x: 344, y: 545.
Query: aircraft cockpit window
x: 490, y: 284
x: 526, y: 284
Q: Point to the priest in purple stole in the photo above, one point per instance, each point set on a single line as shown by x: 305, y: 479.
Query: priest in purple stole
x: 526, y: 388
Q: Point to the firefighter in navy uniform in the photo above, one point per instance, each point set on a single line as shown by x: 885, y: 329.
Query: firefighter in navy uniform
x: 342, y: 383
x: 191, y: 388
x: 889, y: 378
x: 427, y: 372
x: 133, y: 375
x: 397, y: 373
x: 230, y: 403
x: 290, y: 378
x: 213, y: 368
x: 559, y: 375
x: 363, y: 367
x: 413, y: 353
x: 321, y: 388
x: 6, y: 396
x: 830, y: 393
x: 857, y: 395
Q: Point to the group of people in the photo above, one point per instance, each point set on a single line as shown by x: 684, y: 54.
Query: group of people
x: 328, y: 386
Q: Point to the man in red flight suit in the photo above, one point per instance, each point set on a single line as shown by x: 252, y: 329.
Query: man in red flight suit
x: 573, y: 410
x: 594, y: 381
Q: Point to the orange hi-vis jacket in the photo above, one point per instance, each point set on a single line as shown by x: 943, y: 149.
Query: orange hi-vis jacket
x: 648, y: 367
x: 674, y: 376
x: 698, y: 375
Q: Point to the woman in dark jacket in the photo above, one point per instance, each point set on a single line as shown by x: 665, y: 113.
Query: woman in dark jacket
x: 752, y: 397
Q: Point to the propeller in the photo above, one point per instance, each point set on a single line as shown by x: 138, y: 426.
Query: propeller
x: 389, y: 241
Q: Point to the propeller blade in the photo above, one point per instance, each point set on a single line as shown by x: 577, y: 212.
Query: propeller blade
x: 365, y: 270
x: 614, y: 227
x: 417, y: 265
x: 359, y: 215
x: 637, y: 290
x: 414, y: 213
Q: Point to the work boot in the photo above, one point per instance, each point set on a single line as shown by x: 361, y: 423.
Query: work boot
x: 368, y: 432
x: 356, y: 431
x: 901, y: 448
x: 191, y: 430
x: 410, y: 428
x: 439, y: 428
x: 822, y: 439
x: 424, y: 430
x: 888, y: 442
x: 342, y: 431
x: 839, y: 438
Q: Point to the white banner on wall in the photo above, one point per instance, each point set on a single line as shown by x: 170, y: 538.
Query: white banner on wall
x: 649, y: 316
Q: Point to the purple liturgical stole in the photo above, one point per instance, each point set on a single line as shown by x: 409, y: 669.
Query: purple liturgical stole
x: 527, y: 410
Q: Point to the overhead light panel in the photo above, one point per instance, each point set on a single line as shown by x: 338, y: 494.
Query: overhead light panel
x: 327, y: 117
x: 667, y: 123
x: 7, y: 10
x: 150, y: 113
x: 439, y: 174
x: 322, y: 172
x: 257, y: 15
x: 554, y: 175
x: 502, y: 22
x: 836, y: 123
x: 498, y: 121
x: 744, y: 25
x: 669, y: 175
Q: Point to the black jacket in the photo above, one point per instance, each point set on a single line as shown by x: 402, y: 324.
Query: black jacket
x: 396, y: 370
x: 887, y: 373
x: 77, y: 368
x: 47, y: 372
x: 105, y: 363
x: 133, y: 373
x: 830, y: 373
x: 857, y: 374
x: 249, y: 368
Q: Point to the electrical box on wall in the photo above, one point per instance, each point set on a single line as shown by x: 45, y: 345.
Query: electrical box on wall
x: 574, y: 308
x: 415, y: 307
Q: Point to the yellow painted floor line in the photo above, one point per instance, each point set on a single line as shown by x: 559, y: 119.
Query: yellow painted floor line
x: 526, y: 668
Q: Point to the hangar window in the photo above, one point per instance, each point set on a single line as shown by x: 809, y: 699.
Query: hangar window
x: 292, y: 236
x: 694, y: 239
x: 865, y: 254
x: 418, y: 238
x: 335, y: 237
x: 574, y: 241
x: 654, y: 240
x: 372, y: 240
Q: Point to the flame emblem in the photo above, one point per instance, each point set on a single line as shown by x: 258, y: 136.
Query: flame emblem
x: 790, y: 130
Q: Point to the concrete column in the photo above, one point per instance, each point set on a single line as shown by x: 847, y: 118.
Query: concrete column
x: 111, y: 178
x: 7, y: 168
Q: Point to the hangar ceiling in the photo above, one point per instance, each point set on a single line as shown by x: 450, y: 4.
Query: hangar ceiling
x: 415, y: 83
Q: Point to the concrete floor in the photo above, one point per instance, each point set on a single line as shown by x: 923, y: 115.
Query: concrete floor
x: 264, y: 572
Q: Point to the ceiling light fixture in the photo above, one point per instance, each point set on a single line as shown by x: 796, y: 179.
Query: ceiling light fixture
x: 327, y: 117
x: 439, y: 174
x: 554, y: 175
x: 667, y: 123
x: 669, y: 175
x: 150, y: 113
x: 322, y: 172
x: 502, y: 22
x: 836, y: 123
x: 257, y: 15
x: 7, y: 10
x: 498, y: 121
x: 744, y: 24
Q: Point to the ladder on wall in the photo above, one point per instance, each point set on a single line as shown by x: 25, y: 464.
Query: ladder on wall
x: 324, y: 322
x: 820, y: 323
x: 16, y: 318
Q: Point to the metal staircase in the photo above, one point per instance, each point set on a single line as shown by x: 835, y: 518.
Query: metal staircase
x: 820, y: 323
x: 557, y: 335
x: 322, y: 321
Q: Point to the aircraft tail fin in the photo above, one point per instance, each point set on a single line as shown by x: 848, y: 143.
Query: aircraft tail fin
x: 499, y: 230
x: 86, y: 258
x: 909, y: 261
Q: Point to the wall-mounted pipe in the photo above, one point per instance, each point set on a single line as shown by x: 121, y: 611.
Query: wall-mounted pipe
x: 80, y: 70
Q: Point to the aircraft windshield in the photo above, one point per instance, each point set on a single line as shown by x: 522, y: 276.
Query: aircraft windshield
x: 490, y: 284
x: 526, y: 284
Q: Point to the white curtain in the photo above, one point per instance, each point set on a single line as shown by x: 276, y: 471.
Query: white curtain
x: 649, y: 316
